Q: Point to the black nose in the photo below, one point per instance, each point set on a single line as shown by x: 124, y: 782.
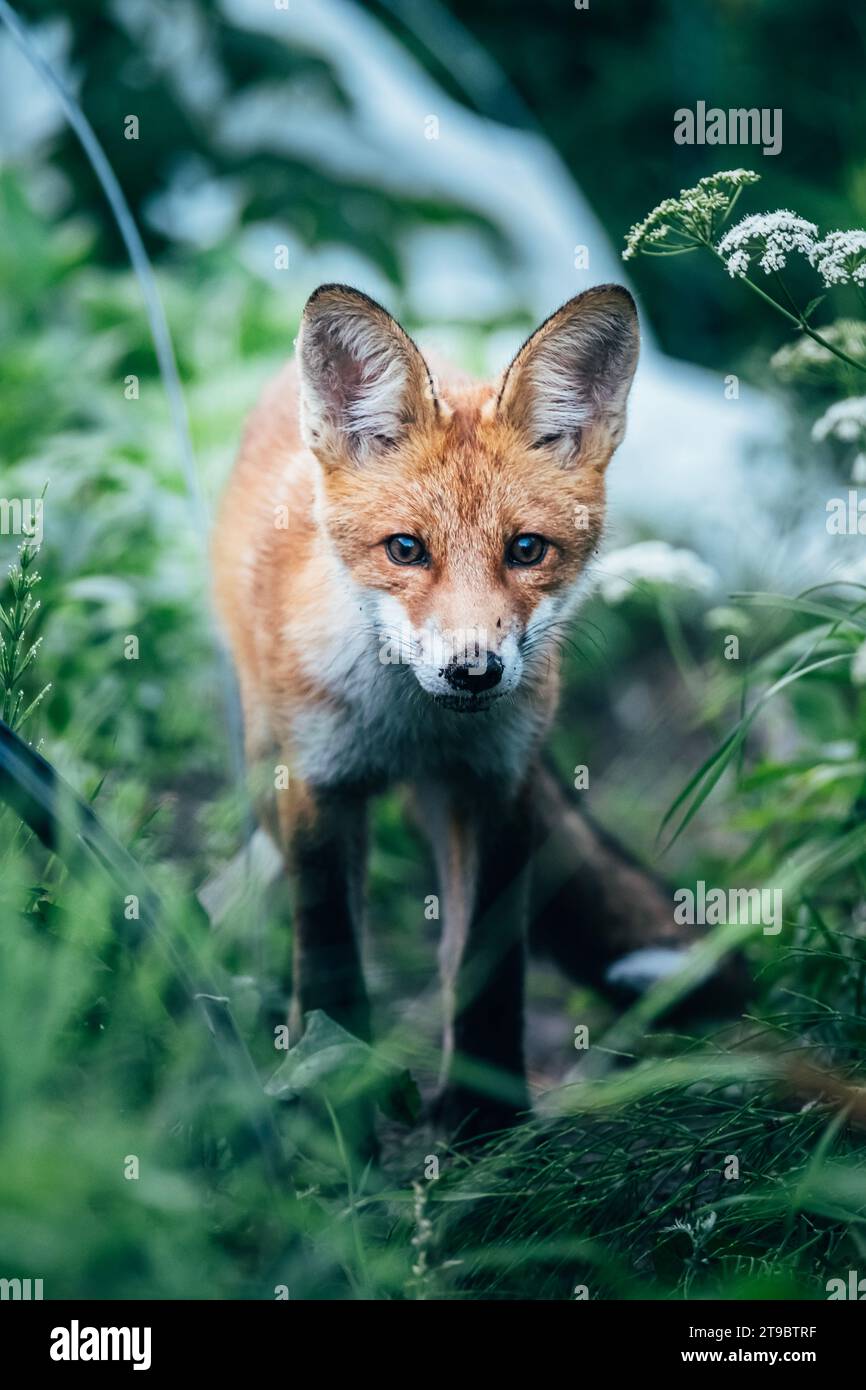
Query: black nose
x: 467, y: 676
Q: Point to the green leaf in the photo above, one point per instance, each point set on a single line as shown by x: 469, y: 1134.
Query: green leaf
x: 812, y: 306
x: 329, y: 1058
x: 709, y: 773
x: 805, y: 606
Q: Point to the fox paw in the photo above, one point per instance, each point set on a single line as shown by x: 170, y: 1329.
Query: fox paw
x: 468, y: 1116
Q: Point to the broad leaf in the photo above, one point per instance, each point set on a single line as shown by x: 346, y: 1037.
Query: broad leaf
x: 330, y: 1059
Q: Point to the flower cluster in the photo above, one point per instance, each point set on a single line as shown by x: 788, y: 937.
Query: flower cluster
x: 845, y: 421
x: 841, y: 257
x: 691, y: 220
x: 767, y: 238
x: 858, y: 665
x: 804, y: 360
x: 653, y: 565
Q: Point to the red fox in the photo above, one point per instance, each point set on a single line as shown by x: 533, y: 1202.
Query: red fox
x: 397, y: 557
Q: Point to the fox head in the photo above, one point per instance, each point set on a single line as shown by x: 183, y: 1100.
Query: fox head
x: 465, y: 513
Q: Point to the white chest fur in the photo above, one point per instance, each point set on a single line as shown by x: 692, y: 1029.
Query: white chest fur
x: 388, y: 729
x: 379, y: 725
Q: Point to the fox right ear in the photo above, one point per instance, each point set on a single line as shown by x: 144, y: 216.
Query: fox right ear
x: 363, y: 380
x: 567, y: 387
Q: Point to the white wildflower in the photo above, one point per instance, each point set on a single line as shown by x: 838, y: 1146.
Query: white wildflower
x: 724, y: 619
x: 806, y: 360
x: 698, y: 1229
x: 858, y: 665
x: 692, y: 219
x: 767, y: 238
x: 845, y: 421
x: 854, y: 572
x: 653, y: 564
x: 841, y: 257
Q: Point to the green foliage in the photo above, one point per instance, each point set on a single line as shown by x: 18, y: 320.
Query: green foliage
x: 622, y: 1186
x: 327, y: 1058
x: 17, y: 652
x: 620, y: 1183
x: 604, y: 85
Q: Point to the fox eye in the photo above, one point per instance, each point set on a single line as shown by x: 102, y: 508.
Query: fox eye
x: 528, y: 549
x: 405, y: 550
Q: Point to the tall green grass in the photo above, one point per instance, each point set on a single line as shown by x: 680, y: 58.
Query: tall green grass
x: 619, y: 1185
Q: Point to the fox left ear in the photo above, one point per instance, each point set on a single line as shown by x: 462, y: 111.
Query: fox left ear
x: 568, y: 385
x: 363, y: 380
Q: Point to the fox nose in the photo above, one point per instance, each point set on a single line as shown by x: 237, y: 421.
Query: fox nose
x: 466, y: 676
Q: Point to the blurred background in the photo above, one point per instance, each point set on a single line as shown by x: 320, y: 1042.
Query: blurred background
x: 471, y: 166
x: 254, y: 118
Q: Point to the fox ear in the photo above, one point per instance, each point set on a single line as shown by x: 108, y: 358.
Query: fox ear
x: 567, y: 387
x: 363, y: 380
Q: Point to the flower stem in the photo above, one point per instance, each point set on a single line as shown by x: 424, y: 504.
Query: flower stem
x: 796, y: 319
x: 768, y: 298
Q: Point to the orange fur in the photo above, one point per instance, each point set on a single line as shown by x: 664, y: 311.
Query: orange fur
x: 355, y: 444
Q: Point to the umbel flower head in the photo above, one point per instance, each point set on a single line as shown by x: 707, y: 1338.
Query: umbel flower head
x: 767, y: 239
x: 841, y: 257
x: 844, y: 420
x: 692, y: 219
x: 651, y: 568
x: 804, y: 360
